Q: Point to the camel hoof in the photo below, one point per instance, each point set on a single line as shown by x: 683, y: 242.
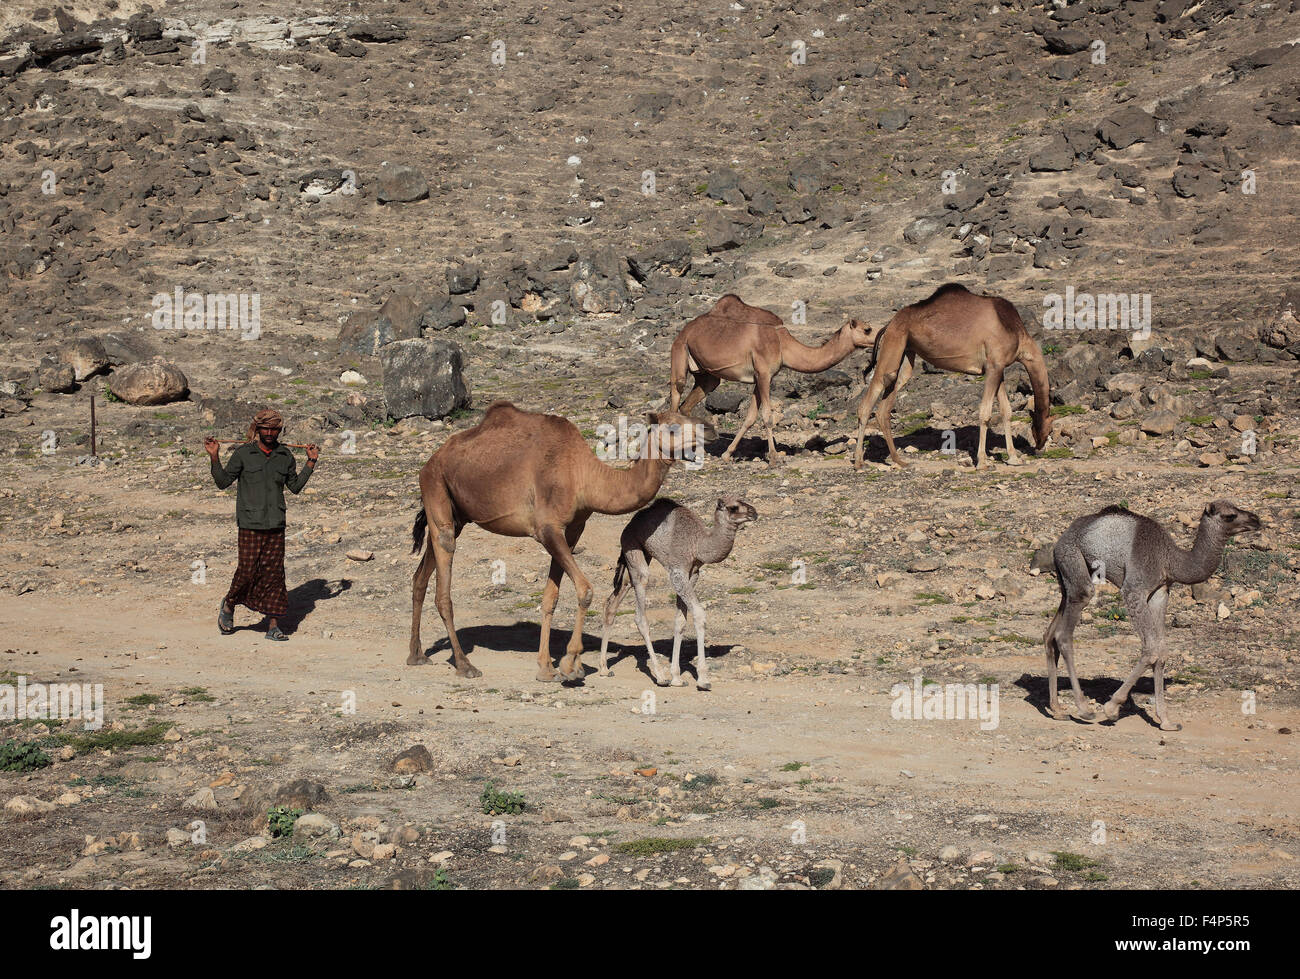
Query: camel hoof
x: 549, y: 676
x: 605, y: 672
x: 1015, y: 461
x: 1088, y: 716
x: 577, y: 676
x: 416, y: 659
x: 1111, y: 710
x: 662, y: 681
x: 1170, y: 726
x: 1060, y: 713
x: 469, y: 672
x: 705, y: 684
x: 677, y: 682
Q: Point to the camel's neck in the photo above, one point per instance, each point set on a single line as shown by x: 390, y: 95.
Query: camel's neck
x: 811, y: 360
x: 717, y: 543
x: 1196, y: 565
x: 610, y: 490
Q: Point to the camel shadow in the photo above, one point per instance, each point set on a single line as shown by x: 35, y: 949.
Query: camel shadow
x: 1099, y: 689
x: 925, y: 439
x: 303, y: 599
x: 524, y: 636
x: 963, y: 442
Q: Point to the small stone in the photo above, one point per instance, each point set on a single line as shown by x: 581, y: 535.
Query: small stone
x: 360, y: 555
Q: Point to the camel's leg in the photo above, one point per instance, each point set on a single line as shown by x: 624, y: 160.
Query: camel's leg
x: 750, y: 416
x: 1076, y: 592
x: 611, y: 609
x: 679, y: 583
x: 1141, y: 614
x: 888, y: 362
x: 992, y: 379
x: 705, y: 384
x: 571, y: 665
x: 443, y: 545
x: 1004, y: 406
x: 763, y: 398
x: 550, y: 594
x: 419, y: 586
x: 1155, y: 634
x: 696, y: 607
x: 885, y: 410
x: 639, y: 571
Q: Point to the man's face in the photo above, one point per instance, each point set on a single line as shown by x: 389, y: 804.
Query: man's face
x: 268, y: 436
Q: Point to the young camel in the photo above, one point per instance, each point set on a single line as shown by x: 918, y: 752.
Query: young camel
x: 1134, y: 553
x: 737, y: 342
x: 675, y: 537
x: 521, y: 474
x: 955, y: 330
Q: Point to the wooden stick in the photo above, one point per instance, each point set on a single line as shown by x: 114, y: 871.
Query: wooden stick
x: 290, y: 445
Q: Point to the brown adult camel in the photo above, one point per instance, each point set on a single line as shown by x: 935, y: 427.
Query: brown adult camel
x: 523, y: 474
x: 956, y: 330
x: 737, y: 342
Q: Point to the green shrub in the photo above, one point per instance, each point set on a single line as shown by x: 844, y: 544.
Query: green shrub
x: 496, y: 803
x: 22, y: 756
x: 280, y: 821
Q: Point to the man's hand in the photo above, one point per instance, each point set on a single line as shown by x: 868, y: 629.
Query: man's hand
x: 213, y: 447
x: 313, y: 453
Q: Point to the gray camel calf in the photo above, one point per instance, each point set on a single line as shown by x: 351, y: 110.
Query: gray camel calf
x: 675, y: 537
x: 1138, y: 556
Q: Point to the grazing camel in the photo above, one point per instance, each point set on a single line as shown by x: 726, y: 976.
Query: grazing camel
x: 675, y: 537
x: 955, y: 330
x: 522, y: 474
x: 1137, y: 555
x: 737, y: 342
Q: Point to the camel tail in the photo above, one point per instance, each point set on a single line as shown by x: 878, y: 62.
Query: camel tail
x: 619, y: 571
x: 1031, y: 356
x: 419, y: 532
x: 875, y: 350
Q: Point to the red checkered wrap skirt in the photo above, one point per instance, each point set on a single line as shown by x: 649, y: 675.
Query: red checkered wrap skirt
x: 259, y: 580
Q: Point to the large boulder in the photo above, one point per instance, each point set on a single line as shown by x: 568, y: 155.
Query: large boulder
x: 86, y: 355
x: 1127, y: 126
x: 153, y: 382
x: 397, y: 319
x: 401, y: 185
x: 599, y: 285
x: 423, y: 377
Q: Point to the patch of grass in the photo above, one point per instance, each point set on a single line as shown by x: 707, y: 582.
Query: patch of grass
x: 121, y: 740
x: 199, y: 695
x: 697, y: 782
x: 744, y: 590
x: 1200, y: 421
x: 793, y: 766
x: 566, y: 884
x: 767, y: 802
x: 1008, y: 868
x: 932, y: 598
x: 659, y: 844
x: 22, y: 756
x: 144, y: 700
x: 1095, y: 876
x: 280, y: 821
x: 1072, y: 861
x: 1062, y: 410
x: 1058, y: 453
x: 495, y: 803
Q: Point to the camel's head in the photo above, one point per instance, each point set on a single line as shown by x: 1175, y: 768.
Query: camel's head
x: 734, y: 511
x: 1230, y: 518
x: 862, y: 334
x: 677, y: 436
x: 1042, y: 429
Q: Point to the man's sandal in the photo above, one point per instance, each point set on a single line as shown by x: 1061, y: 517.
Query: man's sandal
x: 275, y: 634
x: 225, y: 620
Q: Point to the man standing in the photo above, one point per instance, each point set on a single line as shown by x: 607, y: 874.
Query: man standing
x: 263, y: 467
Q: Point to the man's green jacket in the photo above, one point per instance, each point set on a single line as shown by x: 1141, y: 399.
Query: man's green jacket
x: 262, y: 479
